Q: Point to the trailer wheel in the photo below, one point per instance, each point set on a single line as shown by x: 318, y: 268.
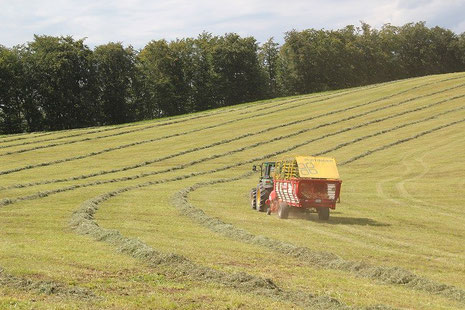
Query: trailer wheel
x: 262, y: 195
x: 323, y: 214
x: 283, y: 210
x: 253, y: 198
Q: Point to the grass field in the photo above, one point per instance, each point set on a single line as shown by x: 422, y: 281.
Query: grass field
x: 157, y: 215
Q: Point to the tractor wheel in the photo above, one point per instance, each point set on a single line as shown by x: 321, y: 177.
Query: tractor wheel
x: 283, y: 210
x: 262, y: 196
x: 253, y: 198
x: 323, y: 214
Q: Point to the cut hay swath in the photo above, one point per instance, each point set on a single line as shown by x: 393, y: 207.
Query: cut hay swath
x: 378, y: 120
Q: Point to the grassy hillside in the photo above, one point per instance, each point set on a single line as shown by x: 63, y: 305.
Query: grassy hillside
x: 156, y: 214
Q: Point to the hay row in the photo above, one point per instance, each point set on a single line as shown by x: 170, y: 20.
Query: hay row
x: 58, y: 161
x: 179, y: 267
x: 43, y: 164
x: 127, y: 131
x: 260, y: 110
x: 88, y: 132
x: 388, y: 275
x: 41, y: 194
x: 44, y: 287
x: 20, y: 136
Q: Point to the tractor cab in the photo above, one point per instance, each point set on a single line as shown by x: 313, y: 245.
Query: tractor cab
x: 266, y: 172
x: 259, y: 195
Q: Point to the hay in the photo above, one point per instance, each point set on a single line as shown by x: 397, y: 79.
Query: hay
x: 388, y: 275
x: 44, y: 287
x: 177, y: 266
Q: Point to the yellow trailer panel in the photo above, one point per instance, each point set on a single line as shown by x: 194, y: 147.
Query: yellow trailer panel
x: 317, y: 167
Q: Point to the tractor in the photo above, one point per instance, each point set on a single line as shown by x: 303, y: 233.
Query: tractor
x: 259, y: 195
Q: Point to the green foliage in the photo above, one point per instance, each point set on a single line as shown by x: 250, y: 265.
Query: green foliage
x: 172, y: 227
x: 11, y: 118
x: 57, y: 83
x: 269, y: 62
x: 115, y: 73
x: 325, y: 59
x: 62, y: 79
x: 236, y: 63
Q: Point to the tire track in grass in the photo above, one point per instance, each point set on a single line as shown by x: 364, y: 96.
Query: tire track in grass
x: 145, y: 163
x: 380, y: 184
x: 45, y: 287
x: 389, y: 275
x: 400, y: 186
x: 329, y: 97
x: 8, y: 201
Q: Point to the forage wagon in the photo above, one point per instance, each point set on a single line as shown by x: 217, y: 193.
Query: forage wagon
x: 304, y: 182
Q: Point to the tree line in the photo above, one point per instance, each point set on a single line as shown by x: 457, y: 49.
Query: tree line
x: 55, y: 83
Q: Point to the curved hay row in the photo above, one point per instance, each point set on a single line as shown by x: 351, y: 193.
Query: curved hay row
x: 82, y: 222
x: 8, y: 201
x: 138, y: 248
x: 389, y: 275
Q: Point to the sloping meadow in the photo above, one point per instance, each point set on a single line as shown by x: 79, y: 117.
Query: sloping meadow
x: 156, y: 214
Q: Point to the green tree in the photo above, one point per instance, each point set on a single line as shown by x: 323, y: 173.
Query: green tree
x: 116, y: 74
x: 11, y: 112
x: 238, y: 70
x: 270, y: 61
x: 205, y: 90
x: 459, y: 48
x: 62, y: 82
x: 162, y: 66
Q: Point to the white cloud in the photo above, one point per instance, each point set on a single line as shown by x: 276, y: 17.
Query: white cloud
x: 137, y: 22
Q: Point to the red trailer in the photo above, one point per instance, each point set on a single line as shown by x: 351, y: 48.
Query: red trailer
x: 305, y: 182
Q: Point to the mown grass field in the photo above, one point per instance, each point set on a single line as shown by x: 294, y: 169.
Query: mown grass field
x: 157, y: 215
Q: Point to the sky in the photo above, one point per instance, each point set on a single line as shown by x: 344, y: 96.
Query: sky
x: 137, y: 22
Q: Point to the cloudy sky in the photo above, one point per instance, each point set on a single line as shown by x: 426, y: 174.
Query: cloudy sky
x: 137, y: 22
